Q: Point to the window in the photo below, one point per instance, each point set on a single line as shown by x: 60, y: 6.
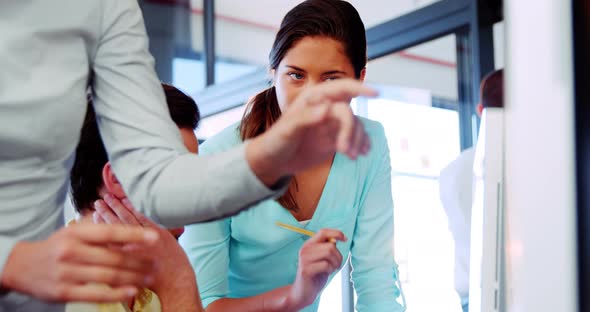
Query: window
x: 212, y: 125
x: 422, y: 140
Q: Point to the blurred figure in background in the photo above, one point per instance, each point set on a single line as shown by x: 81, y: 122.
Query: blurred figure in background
x: 456, y: 189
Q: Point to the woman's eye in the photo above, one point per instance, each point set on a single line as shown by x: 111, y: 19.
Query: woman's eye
x: 332, y: 78
x: 296, y: 76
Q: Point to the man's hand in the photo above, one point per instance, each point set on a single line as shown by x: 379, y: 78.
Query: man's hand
x: 317, y: 124
x: 72, y: 263
x: 175, y: 281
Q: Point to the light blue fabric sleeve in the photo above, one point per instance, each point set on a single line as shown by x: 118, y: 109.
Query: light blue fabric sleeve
x: 144, y: 145
x: 374, y: 272
x: 207, y: 244
x: 207, y: 248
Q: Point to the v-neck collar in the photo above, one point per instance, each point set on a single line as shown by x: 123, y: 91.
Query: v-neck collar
x: 324, y: 197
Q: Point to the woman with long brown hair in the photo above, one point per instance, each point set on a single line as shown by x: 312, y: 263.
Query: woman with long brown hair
x: 247, y: 262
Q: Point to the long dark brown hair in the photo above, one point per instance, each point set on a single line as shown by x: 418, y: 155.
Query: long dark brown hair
x: 334, y: 19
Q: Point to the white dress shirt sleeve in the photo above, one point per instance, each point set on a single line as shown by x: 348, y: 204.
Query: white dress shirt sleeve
x: 160, y: 176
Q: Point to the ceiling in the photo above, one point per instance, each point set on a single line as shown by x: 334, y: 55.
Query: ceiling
x: 267, y: 14
x: 270, y: 12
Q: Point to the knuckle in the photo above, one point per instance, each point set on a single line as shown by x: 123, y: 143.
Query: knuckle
x: 108, y: 234
x: 60, y: 273
x: 303, y: 251
x: 60, y: 292
x: 330, y: 267
x: 305, y: 271
x: 118, y: 260
x: 65, y: 251
x: 329, y: 253
x: 111, y: 277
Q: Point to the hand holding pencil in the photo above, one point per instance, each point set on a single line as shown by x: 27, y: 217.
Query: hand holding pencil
x: 318, y: 258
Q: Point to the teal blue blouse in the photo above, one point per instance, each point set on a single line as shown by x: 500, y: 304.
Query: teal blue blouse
x: 249, y: 254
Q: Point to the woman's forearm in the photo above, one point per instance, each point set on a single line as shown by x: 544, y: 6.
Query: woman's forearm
x: 272, y: 301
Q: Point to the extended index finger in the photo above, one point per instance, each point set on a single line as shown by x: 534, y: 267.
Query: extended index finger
x: 341, y: 90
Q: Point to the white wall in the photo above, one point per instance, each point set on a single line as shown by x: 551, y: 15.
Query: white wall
x: 397, y: 70
x: 258, y: 21
x: 499, y: 45
x: 539, y: 159
x: 271, y: 12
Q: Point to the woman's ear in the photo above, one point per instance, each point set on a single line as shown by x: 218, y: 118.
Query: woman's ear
x: 111, y: 183
x: 363, y: 73
x: 272, y: 73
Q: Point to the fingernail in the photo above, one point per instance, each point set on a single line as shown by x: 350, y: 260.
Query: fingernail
x: 151, y: 236
x: 131, y: 292
x: 97, y: 205
x: 108, y: 198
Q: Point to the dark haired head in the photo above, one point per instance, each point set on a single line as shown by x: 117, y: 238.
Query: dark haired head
x: 333, y: 19
x: 183, y: 109
x: 492, y: 89
x: 91, y: 157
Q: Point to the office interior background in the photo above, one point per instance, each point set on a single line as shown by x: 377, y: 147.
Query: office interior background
x: 427, y: 58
